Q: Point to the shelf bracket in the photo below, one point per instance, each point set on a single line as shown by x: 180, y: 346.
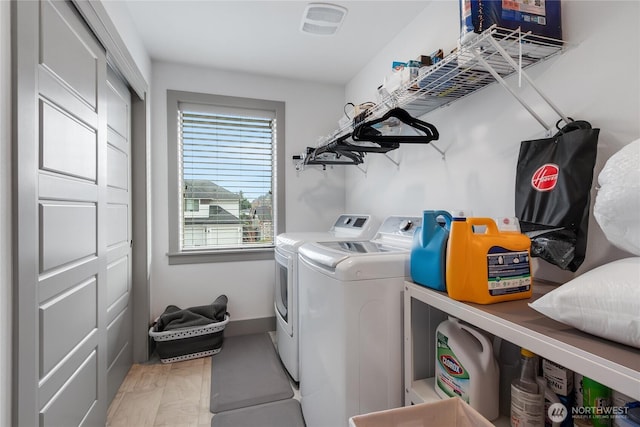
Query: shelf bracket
x: 391, y: 160
x: 435, y: 147
x: 504, y: 84
x: 510, y: 60
x: 522, y: 73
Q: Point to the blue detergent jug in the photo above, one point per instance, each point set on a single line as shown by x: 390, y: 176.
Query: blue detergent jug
x: 428, y: 253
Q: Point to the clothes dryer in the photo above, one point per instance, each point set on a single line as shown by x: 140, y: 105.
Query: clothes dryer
x: 351, y: 323
x: 346, y: 226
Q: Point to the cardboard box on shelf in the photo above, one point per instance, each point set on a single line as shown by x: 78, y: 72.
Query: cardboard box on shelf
x: 541, y: 18
x: 559, y: 378
x: 453, y: 412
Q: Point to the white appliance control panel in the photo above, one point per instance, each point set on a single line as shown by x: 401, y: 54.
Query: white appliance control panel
x: 352, y: 221
x: 399, y: 226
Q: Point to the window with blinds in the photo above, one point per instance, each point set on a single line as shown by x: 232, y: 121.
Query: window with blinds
x: 227, y: 176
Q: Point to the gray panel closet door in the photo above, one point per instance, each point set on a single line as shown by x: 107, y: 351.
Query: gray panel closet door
x: 72, y: 221
x: 118, y: 224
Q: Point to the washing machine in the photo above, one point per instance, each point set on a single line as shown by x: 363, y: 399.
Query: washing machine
x: 346, y: 226
x: 351, y: 323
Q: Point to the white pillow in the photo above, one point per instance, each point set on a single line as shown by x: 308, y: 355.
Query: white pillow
x: 618, y: 199
x: 604, y: 301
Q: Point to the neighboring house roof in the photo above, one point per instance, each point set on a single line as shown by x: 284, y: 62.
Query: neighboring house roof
x: 205, y: 189
x: 217, y: 216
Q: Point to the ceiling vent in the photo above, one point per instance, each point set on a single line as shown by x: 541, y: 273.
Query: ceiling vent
x: 322, y: 19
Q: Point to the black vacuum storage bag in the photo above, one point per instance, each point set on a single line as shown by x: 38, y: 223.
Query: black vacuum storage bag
x: 553, y: 185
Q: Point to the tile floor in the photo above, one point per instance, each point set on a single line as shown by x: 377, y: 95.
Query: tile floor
x: 172, y: 394
x: 157, y: 394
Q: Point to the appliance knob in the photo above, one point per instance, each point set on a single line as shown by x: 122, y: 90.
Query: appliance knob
x: 347, y: 221
x: 406, y: 225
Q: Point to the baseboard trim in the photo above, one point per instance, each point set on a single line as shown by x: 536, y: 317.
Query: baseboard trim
x: 250, y: 326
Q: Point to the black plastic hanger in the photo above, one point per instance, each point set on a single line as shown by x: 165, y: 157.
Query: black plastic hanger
x: 342, y: 145
x: 365, y: 131
x: 314, y: 157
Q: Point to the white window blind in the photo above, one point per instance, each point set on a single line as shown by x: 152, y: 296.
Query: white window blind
x: 226, y: 171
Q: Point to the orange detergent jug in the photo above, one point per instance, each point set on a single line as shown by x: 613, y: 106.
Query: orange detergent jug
x: 487, y: 267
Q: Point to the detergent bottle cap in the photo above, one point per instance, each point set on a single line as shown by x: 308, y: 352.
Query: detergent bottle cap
x: 507, y: 224
x: 527, y: 353
x: 461, y: 214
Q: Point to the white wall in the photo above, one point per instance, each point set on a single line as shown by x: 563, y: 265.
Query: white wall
x: 313, y: 198
x: 121, y: 18
x: 5, y: 215
x: 596, y: 79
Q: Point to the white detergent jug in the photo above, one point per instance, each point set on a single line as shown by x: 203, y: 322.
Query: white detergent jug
x: 466, y: 367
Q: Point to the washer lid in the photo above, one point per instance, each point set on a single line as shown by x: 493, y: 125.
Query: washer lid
x: 330, y: 254
x: 292, y: 241
x: 322, y: 255
x: 366, y: 247
x: 346, y: 226
x: 344, y: 265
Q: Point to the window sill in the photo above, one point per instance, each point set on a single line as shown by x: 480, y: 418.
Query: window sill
x: 205, y: 257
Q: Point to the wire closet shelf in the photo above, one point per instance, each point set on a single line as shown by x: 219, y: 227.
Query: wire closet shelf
x: 490, y: 56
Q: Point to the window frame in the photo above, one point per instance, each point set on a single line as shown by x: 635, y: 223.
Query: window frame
x: 194, y: 256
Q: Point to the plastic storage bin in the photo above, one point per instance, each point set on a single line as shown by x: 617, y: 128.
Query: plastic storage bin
x: 189, y: 343
x: 453, y: 412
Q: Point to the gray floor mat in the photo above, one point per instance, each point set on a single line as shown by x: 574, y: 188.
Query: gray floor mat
x: 247, y: 372
x: 283, y: 413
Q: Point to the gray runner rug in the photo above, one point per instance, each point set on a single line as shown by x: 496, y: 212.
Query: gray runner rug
x: 247, y: 372
x: 283, y: 413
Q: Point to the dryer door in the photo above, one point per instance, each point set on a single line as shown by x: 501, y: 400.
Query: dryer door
x: 284, y: 289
